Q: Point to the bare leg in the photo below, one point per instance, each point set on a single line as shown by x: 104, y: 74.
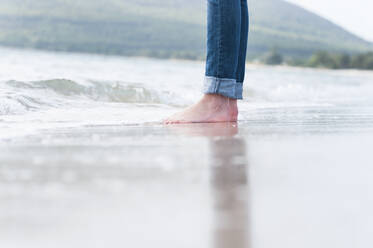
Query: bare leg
x: 211, y: 108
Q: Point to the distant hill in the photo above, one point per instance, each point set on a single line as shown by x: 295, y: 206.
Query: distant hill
x: 163, y: 28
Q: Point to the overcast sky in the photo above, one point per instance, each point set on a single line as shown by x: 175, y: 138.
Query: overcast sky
x: 354, y: 15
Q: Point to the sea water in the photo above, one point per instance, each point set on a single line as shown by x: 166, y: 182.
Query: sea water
x: 86, y: 162
x: 41, y: 90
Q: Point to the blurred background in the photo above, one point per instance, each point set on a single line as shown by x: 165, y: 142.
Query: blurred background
x: 281, y: 31
x: 85, y: 160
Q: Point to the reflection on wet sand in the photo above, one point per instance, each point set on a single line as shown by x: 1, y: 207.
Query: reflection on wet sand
x: 212, y: 130
x: 229, y: 182
x: 230, y: 193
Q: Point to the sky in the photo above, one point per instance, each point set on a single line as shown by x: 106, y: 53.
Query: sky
x: 354, y: 15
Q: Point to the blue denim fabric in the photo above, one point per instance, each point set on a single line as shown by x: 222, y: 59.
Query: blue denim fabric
x: 227, y: 33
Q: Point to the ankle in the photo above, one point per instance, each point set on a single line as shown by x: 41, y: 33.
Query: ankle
x: 215, y: 98
x: 214, y: 101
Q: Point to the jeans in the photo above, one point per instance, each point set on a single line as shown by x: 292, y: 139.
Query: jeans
x: 227, y: 33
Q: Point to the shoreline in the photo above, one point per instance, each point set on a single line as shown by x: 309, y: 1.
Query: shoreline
x: 113, y: 56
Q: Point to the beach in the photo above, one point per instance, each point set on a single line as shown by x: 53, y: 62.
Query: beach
x: 86, y: 162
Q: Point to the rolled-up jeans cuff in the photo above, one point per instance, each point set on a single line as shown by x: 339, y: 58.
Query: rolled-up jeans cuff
x: 223, y: 86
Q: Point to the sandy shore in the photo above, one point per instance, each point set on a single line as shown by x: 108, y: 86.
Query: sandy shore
x: 252, y: 184
x: 84, y: 161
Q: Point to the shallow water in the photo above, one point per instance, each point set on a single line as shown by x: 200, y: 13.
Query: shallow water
x: 45, y: 91
x: 84, y: 161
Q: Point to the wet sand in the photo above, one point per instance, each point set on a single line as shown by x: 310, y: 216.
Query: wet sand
x: 79, y: 167
x: 261, y: 183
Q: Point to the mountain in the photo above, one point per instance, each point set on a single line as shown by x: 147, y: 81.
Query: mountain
x: 163, y: 28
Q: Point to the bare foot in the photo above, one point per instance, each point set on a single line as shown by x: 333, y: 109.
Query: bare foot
x: 211, y: 108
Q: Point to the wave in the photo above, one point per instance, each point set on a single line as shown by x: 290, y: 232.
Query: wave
x: 19, y: 97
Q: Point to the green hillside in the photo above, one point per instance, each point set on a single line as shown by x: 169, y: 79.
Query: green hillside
x: 162, y: 28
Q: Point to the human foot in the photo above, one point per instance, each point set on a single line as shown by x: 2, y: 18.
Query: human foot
x: 211, y: 108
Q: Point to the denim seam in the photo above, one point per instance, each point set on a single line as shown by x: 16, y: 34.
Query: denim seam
x: 218, y: 85
x: 215, y: 82
x: 220, y: 18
